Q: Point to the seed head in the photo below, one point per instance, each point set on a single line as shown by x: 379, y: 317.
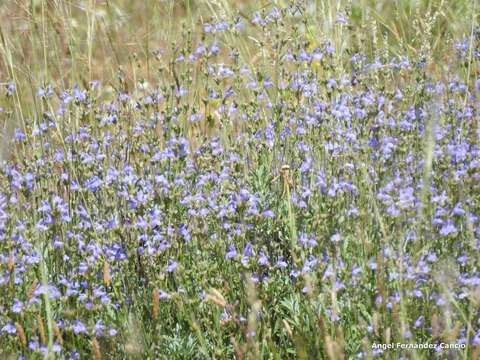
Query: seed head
x: 21, y: 334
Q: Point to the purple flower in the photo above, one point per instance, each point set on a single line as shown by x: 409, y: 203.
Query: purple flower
x: 406, y: 198
x: 171, y: 266
x: 332, y: 315
x: 281, y: 263
x: 19, y: 135
x: 356, y: 270
x: 447, y: 229
x: 9, y: 328
x: 11, y: 87
x: 247, y: 253
x: 17, y: 306
x: 93, y: 184
x: 99, y: 328
x: 432, y: 257
x: 164, y: 295
x: 208, y: 28
x: 457, y: 210
x: 231, y: 253
x: 269, y: 214
x: 417, y: 293
x: 263, y: 259
x: 79, y: 327
x: 53, y: 292
x: 419, y: 322
x: 335, y: 237
x: 476, y: 339
x: 33, y: 344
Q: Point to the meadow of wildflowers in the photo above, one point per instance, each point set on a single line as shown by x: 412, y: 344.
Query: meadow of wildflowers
x: 262, y: 187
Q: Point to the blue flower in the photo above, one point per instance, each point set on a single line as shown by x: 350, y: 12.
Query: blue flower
x: 79, y: 327
x: 171, y: 266
x: 9, y: 328
x: 335, y: 237
x: 231, y: 253
x: 17, y: 306
x: 448, y: 228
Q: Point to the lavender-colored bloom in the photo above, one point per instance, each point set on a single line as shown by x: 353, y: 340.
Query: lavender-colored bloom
x: 247, y: 253
x: 11, y: 87
x: 9, y: 328
x: 332, y: 315
x: 17, y: 306
x: 406, y: 198
x: 19, y: 135
x: 476, y: 339
x: 432, y: 257
x: 231, y: 253
x: 447, y: 229
x: 73, y: 356
x: 80, y: 95
x: 417, y: 293
x: 419, y: 322
x: 99, y: 328
x: 53, y: 292
x: 341, y: 18
x: 457, y: 210
x: 79, y: 327
x: 93, y: 184
x: 268, y: 214
x: 208, y: 28
x: 263, y: 259
x: 356, y: 270
x: 34, y: 344
x: 281, y: 263
x: 392, y: 211
x: 171, y: 266
x: 335, y: 237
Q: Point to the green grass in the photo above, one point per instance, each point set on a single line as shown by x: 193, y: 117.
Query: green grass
x: 219, y: 308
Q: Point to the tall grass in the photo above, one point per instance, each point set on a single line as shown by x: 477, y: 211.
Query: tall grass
x: 239, y: 179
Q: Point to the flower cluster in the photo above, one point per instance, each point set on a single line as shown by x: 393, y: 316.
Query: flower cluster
x: 320, y: 190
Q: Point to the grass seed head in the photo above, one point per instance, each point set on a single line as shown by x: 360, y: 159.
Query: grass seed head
x: 21, y: 334
x: 155, y: 302
x: 97, y: 353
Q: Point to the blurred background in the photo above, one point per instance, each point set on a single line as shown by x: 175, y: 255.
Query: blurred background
x: 78, y: 41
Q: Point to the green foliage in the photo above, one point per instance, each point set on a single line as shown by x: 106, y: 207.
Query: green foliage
x: 321, y: 266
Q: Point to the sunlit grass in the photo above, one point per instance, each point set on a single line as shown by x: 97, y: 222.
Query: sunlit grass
x: 238, y: 179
